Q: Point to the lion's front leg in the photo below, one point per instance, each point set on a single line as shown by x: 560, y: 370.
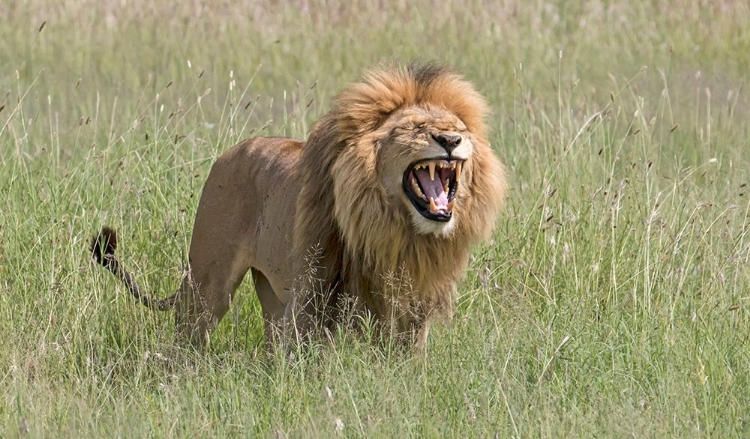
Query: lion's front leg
x: 306, y: 316
x: 420, y: 338
x: 424, y: 313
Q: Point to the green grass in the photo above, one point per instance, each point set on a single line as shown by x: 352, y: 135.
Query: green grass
x: 614, y: 299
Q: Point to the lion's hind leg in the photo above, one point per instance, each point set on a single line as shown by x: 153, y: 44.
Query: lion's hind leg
x: 205, y: 296
x: 273, y: 308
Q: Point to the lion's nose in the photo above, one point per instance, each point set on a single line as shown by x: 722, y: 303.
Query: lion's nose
x: 449, y: 142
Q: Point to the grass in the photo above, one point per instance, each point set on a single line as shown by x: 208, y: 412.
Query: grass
x: 614, y: 299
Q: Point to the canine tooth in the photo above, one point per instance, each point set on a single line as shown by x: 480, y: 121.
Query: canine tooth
x: 432, y: 170
x: 458, y: 171
x: 451, y: 204
x: 433, y: 207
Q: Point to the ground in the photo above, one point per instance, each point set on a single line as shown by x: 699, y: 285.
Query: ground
x: 614, y: 299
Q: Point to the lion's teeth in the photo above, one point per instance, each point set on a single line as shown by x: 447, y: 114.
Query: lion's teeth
x: 432, y: 170
x: 433, y: 207
x: 458, y: 171
x: 450, y: 205
x: 446, y: 185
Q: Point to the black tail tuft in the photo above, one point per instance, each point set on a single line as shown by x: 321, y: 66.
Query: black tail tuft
x: 104, y: 245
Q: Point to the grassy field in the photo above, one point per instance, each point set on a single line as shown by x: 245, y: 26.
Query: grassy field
x: 613, y: 301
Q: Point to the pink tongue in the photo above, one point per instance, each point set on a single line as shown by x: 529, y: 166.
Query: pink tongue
x: 433, y: 188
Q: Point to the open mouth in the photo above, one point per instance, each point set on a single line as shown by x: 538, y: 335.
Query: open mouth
x: 431, y: 187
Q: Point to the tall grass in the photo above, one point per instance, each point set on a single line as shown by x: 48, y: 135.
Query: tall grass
x: 613, y: 301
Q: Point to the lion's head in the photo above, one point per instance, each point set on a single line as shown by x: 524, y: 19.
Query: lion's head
x: 397, y: 175
x: 419, y: 162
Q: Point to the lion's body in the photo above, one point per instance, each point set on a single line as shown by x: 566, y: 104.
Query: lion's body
x: 334, y: 219
x: 245, y: 219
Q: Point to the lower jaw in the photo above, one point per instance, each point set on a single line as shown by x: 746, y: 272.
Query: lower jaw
x: 437, y: 218
x: 426, y: 226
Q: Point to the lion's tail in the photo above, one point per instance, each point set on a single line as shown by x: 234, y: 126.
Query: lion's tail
x: 103, y: 247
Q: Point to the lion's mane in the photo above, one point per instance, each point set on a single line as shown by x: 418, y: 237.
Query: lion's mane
x: 364, y: 245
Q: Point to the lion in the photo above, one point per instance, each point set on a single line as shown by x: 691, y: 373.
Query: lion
x: 376, y: 213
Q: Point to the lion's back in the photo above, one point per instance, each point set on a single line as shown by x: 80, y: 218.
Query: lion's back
x: 253, y: 172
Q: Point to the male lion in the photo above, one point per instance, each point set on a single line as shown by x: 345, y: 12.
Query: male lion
x: 375, y: 213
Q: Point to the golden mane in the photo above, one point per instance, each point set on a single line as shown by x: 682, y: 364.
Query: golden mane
x: 364, y: 106
x: 361, y: 251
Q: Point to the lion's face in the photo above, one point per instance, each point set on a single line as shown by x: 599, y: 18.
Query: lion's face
x: 422, y: 161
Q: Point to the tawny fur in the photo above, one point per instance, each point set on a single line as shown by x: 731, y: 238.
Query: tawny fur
x: 325, y: 223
